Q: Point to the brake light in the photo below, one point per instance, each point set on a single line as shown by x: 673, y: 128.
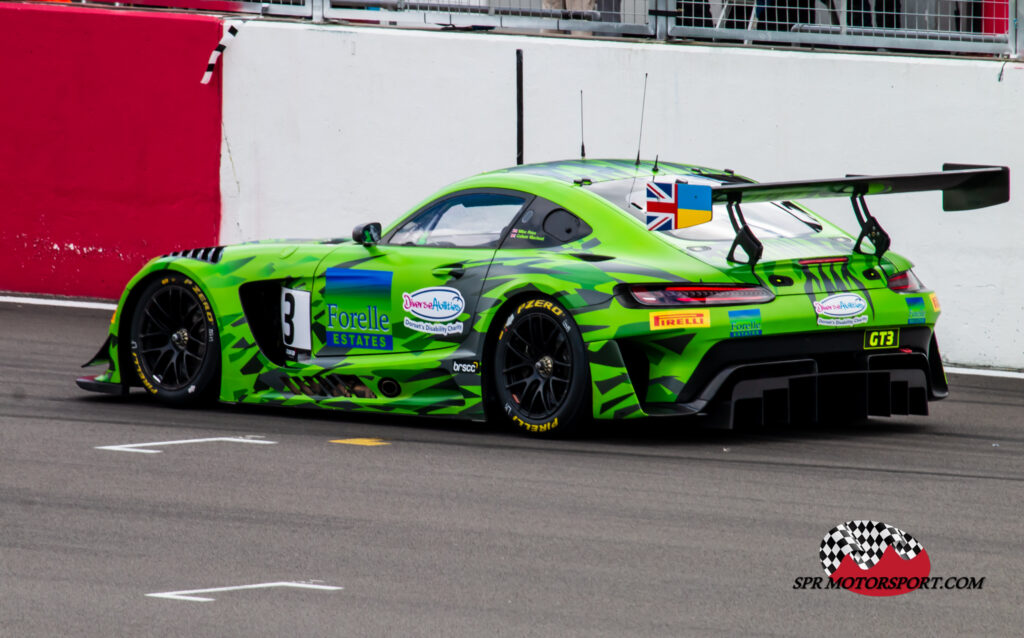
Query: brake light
x: 699, y: 294
x: 905, y: 281
x: 823, y: 260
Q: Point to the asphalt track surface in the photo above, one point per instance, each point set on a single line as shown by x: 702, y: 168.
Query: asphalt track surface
x: 458, y: 529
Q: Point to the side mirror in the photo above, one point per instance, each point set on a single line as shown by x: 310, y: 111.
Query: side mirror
x: 366, y: 234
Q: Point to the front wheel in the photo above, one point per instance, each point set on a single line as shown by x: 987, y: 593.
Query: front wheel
x: 540, y: 374
x: 174, y: 341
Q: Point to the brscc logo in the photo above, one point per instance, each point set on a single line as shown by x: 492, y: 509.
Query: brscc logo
x: 874, y: 559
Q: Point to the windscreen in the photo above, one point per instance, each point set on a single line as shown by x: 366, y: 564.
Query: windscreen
x: 766, y: 219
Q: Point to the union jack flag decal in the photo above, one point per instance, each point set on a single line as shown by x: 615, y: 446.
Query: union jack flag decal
x: 661, y: 206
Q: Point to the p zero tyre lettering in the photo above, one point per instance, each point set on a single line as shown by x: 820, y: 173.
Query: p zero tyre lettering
x: 540, y: 373
x: 174, y: 341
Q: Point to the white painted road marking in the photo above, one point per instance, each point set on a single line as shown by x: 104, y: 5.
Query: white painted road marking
x: 134, y: 447
x: 187, y: 594
x: 65, y: 303
x: 985, y: 372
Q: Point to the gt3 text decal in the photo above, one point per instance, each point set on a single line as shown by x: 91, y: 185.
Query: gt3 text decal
x: 434, y: 305
x: 358, y: 305
x: 878, y: 339
x: 675, y: 319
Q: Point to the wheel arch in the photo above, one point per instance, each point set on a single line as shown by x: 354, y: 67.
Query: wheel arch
x: 126, y: 311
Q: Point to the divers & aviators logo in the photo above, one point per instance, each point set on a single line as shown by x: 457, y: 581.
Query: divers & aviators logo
x: 434, y: 304
x: 438, y: 306
x: 872, y: 558
x: 843, y: 309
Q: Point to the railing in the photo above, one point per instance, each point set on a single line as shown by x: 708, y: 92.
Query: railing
x: 989, y: 27
x: 606, y: 17
x: 290, y: 8
x: 967, y: 26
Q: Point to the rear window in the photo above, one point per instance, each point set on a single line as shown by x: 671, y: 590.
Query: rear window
x: 766, y: 219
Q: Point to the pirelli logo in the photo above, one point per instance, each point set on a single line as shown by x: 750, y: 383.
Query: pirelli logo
x: 676, y: 319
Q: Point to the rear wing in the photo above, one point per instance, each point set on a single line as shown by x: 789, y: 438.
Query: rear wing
x: 963, y: 186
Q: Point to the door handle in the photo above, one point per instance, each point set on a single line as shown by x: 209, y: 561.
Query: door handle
x: 451, y: 270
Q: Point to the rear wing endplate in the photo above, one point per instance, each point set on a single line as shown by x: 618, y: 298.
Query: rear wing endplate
x: 963, y: 186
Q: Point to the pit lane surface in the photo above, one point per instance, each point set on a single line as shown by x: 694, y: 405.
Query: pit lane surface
x: 465, y: 530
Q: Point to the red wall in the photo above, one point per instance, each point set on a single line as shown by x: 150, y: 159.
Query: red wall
x: 109, y: 145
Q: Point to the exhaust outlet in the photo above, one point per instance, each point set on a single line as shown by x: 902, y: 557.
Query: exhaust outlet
x: 389, y: 387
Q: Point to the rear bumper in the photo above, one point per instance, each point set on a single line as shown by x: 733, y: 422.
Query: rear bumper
x: 808, y: 378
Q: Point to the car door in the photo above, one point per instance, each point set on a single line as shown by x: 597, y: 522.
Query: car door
x: 418, y: 288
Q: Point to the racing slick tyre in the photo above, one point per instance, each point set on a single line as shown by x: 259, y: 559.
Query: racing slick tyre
x: 540, y: 374
x: 174, y: 347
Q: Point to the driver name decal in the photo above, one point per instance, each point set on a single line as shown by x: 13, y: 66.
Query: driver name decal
x: 358, y: 305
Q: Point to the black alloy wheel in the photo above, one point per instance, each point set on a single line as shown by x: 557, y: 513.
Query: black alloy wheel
x: 174, y: 341
x: 540, y: 369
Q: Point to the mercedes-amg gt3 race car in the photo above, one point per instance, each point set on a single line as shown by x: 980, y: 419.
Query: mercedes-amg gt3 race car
x: 548, y: 294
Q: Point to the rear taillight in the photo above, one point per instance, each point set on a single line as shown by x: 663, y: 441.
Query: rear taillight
x: 699, y: 294
x: 905, y: 281
x: 823, y: 260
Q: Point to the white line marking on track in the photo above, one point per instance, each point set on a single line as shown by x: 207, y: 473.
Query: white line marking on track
x: 984, y: 372
x: 135, y: 447
x: 65, y: 303
x: 187, y: 594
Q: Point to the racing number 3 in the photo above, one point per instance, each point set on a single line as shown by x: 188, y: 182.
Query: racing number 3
x: 287, y: 327
x: 295, y: 318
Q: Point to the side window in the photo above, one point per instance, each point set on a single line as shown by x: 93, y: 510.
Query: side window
x: 545, y: 224
x: 472, y: 220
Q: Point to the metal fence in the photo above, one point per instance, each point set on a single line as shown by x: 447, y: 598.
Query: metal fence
x: 965, y: 26
x: 987, y: 27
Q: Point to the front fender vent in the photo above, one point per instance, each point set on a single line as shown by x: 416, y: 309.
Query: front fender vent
x: 211, y: 254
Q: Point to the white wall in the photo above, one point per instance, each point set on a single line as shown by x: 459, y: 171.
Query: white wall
x: 327, y: 126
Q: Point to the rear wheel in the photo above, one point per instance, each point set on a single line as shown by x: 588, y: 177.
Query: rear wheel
x: 540, y: 373
x: 174, y: 341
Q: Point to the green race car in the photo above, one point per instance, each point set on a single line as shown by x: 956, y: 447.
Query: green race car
x: 550, y: 294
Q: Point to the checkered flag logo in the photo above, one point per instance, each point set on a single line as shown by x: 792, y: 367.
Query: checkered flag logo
x: 866, y: 541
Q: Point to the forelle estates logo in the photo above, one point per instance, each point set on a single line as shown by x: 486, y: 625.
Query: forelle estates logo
x: 876, y: 559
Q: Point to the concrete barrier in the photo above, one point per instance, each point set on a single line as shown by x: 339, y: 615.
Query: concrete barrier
x: 327, y: 126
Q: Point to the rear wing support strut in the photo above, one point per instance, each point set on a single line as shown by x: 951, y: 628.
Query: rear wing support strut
x: 870, y: 229
x: 745, y: 237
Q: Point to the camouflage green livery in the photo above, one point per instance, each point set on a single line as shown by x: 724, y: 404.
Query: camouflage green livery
x: 412, y: 329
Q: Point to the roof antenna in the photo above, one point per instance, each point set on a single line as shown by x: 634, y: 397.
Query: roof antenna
x: 583, y: 148
x: 654, y: 169
x: 643, y: 105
